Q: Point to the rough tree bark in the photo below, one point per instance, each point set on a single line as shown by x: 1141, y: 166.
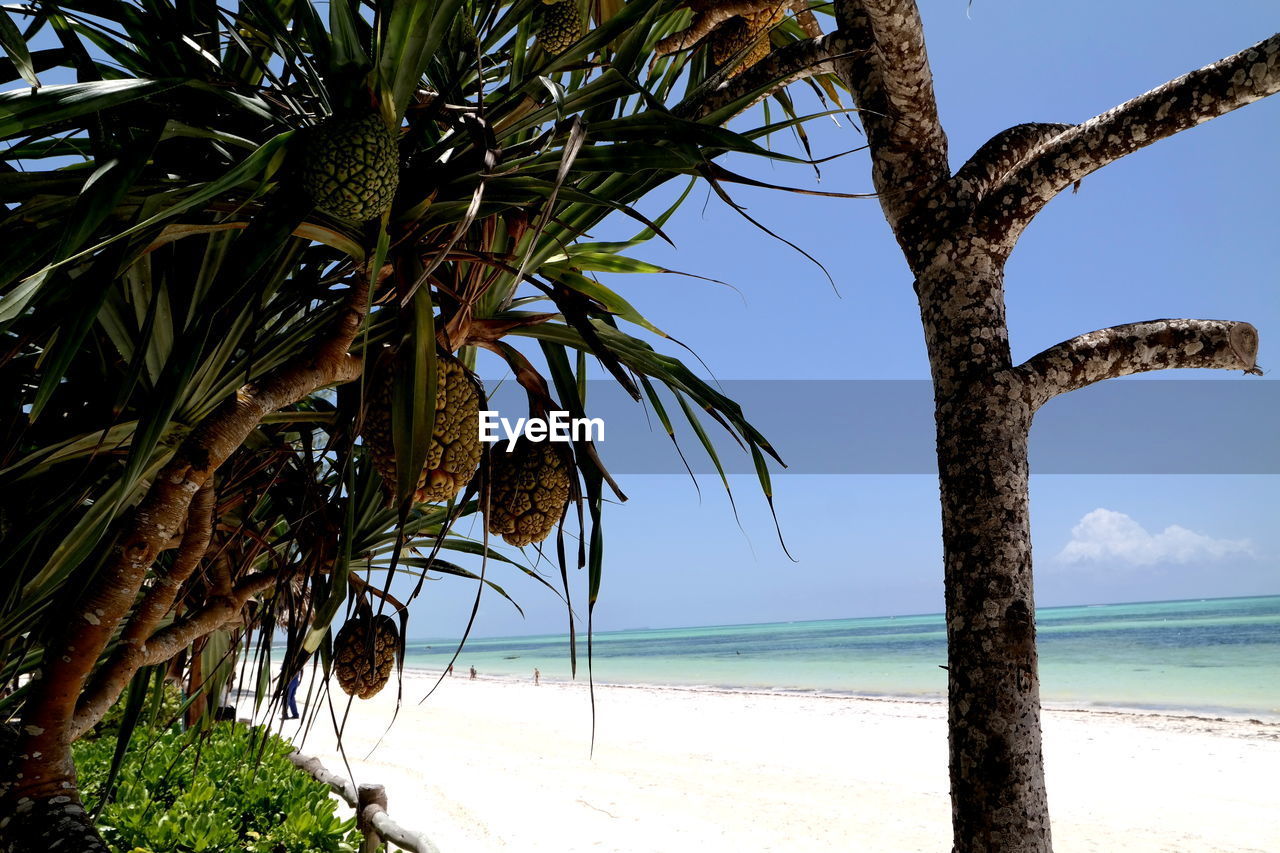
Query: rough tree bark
x: 131, y: 652
x: 956, y: 232
x: 40, y: 806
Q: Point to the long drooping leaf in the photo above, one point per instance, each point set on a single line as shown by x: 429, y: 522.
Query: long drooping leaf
x: 84, y: 537
x: 101, y: 193
x: 135, y: 696
x: 413, y: 400
x: 27, y: 112
x: 247, y: 170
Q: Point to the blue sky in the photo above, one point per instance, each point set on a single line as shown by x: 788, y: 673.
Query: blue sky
x: 1186, y: 227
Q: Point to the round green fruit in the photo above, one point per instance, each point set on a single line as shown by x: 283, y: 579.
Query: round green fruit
x: 351, y: 167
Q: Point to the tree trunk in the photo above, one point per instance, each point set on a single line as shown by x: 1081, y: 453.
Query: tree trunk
x: 49, y: 816
x: 956, y: 230
x: 55, y: 823
x: 997, y: 772
x: 983, y: 419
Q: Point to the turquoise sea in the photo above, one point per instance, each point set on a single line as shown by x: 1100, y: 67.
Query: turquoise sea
x: 1207, y: 656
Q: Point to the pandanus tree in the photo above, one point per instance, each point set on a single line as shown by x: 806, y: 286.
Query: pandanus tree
x: 248, y: 250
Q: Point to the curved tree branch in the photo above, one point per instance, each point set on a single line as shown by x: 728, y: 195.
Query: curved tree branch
x: 131, y: 652
x: 888, y: 73
x: 1194, y: 98
x: 216, y: 613
x: 1001, y: 154
x: 952, y: 204
x: 1138, y: 348
x: 709, y: 16
x: 805, y: 18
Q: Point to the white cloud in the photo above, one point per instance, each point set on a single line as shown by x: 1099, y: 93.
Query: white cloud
x: 1107, y: 535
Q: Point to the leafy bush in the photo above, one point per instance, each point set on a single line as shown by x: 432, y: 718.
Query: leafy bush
x: 159, y: 712
x: 229, y: 791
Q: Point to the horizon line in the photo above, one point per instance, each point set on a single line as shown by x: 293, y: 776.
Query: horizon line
x: 438, y: 639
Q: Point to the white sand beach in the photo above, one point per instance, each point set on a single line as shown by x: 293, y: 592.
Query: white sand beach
x: 491, y: 765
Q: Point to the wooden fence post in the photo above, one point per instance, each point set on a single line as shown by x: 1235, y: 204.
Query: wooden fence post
x: 369, y: 800
x: 370, y: 804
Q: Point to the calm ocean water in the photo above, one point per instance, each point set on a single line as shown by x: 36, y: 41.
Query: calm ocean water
x: 1215, y: 655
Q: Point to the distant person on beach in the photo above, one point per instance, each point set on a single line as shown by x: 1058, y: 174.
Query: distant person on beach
x: 473, y: 673
x: 537, y: 676
x: 291, y: 691
x: 450, y: 672
x: 291, y: 697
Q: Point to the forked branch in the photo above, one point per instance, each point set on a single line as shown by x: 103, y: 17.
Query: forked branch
x: 1138, y: 348
x: 1001, y: 154
x: 218, y: 612
x: 1194, y: 98
x: 131, y: 652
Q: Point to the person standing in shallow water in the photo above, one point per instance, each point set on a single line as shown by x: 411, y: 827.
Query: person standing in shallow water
x: 473, y: 673
x: 537, y: 677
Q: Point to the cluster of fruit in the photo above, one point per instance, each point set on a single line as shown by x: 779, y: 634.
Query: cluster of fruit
x: 350, y: 170
x: 528, y: 484
x: 746, y: 37
x: 528, y: 491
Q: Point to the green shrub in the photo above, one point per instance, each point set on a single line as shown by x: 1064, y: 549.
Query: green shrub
x: 157, y: 714
x: 229, y: 791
